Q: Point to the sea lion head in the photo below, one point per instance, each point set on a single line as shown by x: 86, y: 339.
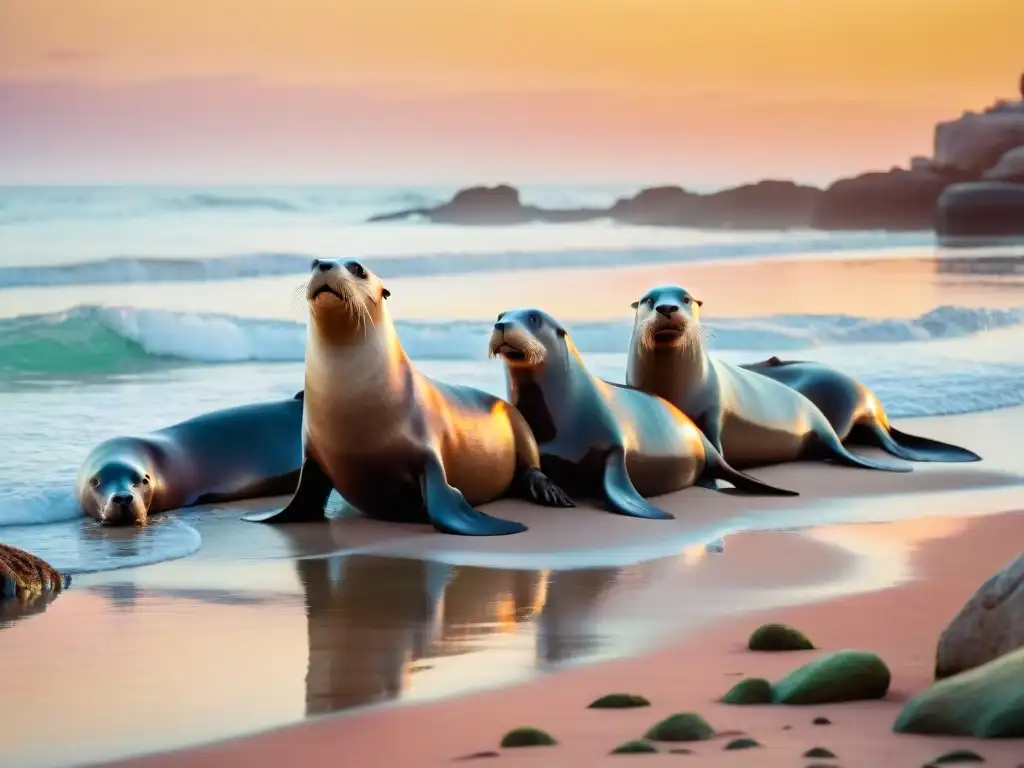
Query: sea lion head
x: 667, y: 317
x: 119, y: 493
x: 528, y: 339
x: 346, y: 300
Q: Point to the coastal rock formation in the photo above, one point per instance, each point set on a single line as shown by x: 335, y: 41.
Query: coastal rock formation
x: 989, y: 625
x: 986, y: 702
x: 837, y: 677
x: 1009, y: 168
x: 897, y: 199
x: 975, y: 142
x: 981, y: 209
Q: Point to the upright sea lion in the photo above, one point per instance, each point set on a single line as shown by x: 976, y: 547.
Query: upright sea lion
x: 236, y: 453
x: 601, y: 439
x: 751, y: 419
x: 396, y: 445
x: 854, y: 411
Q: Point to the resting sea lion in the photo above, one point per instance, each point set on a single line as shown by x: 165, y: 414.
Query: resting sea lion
x: 751, y: 419
x: 396, y: 445
x: 854, y: 411
x: 598, y: 438
x: 236, y: 453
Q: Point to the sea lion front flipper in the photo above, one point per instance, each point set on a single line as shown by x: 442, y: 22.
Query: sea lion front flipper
x: 307, y: 503
x: 533, y: 485
x: 622, y: 496
x: 448, y: 510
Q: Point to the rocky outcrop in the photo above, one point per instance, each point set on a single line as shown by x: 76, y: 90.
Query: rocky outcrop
x: 1009, y: 168
x: 897, y: 199
x: 987, y: 702
x: 981, y: 209
x: 989, y: 625
x: 975, y: 142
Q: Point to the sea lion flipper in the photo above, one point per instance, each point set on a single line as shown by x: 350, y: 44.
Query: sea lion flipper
x: 622, y: 496
x: 533, y: 485
x: 913, y: 447
x: 717, y: 468
x: 307, y: 503
x: 449, y: 512
x: 827, y: 446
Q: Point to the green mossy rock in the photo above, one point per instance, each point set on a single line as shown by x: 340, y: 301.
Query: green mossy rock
x: 778, y: 637
x: 986, y: 702
x: 683, y: 726
x: 635, y: 747
x: 839, y: 676
x: 819, y: 752
x: 744, y: 743
x: 754, y: 690
x: 527, y: 737
x: 619, y: 701
x: 958, y: 756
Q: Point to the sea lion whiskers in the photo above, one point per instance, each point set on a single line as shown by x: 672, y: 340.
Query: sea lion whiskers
x: 513, y: 343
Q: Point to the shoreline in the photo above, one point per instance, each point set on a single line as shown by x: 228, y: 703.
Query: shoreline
x: 944, y: 570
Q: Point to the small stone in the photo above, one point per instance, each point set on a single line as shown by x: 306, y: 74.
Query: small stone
x: 838, y: 677
x: 778, y: 637
x: 821, y: 721
x: 619, y: 701
x: 959, y: 756
x: 787, y: 727
x: 479, y: 755
x: 683, y: 726
x: 685, y: 751
x: 527, y: 737
x: 754, y: 690
x: 819, y: 752
x: 744, y: 743
x: 635, y: 747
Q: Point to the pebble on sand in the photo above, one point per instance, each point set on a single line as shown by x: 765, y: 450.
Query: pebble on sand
x: 619, y: 701
x: 753, y: 690
x: 778, y: 637
x: 635, y: 747
x: 683, y: 726
x: 527, y: 737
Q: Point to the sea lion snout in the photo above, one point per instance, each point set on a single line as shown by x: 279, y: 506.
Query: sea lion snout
x: 666, y: 310
x: 518, y: 338
x: 123, y: 507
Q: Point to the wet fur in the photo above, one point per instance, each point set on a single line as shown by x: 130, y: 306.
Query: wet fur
x: 751, y: 419
x: 600, y: 439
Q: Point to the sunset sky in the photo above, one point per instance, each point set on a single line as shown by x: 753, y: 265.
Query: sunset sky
x: 350, y: 91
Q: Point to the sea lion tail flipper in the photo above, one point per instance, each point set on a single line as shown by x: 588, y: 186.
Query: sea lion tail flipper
x: 449, y: 512
x: 622, y: 496
x: 307, y: 502
x: 915, y: 448
x: 717, y: 468
x: 533, y: 485
x: 829, y: 447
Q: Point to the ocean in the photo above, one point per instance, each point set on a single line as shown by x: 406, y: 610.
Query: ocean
x: 124, y: 309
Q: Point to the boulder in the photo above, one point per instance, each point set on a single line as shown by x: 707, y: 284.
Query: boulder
x: 892, y: 200
x: 1009, y: 168
x: 986, y: 702
x: 837, y: 677
x: 989, y: 625
x: 767, y: 204
x: 975, y: 142
x: 754, y: 690
x: 778, y: 637
x: 981, y: 209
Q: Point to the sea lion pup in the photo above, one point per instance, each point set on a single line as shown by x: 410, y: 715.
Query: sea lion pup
x: 597, y: 438
x: 235, y: 453
x: 26, y: 576
x: 751, y: 419
x: 854, y: 411
x: 396, y: 445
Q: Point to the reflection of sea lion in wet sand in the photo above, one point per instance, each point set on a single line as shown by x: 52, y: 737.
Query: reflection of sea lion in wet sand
x: 26, y: 576
x: 752, y: 419
x: 396, y: 445
x: 854, y: 411
x: 227, y: 455
x: 602, y: 439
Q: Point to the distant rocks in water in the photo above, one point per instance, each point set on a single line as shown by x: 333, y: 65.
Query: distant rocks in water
x: 981, y: 209
x: 975, y: 142
x: 892, y: 200
x: 986, y: 702
x: 1009, y: 168
x: 837, y: 677
x: 778, y: 637
x: 989, y: 625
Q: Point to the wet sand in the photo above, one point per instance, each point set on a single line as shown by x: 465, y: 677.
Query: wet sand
x: 923, y: 543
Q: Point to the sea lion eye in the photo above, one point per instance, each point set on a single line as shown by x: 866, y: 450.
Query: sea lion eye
x: 534, y: 319
x: 686, y: 299
x: 356, y: 269
x: 94, y: 482
x: 649, y: 301
x: 145, y: 480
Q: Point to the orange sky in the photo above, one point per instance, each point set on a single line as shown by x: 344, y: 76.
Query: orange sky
x: 422, y: 90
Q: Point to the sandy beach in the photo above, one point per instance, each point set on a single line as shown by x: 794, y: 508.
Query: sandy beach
x: 864, y: 560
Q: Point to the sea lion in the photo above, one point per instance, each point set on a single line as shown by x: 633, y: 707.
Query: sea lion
x: 597, y: 438
x: 854, y: 411
x: 236, y: 453
x: 26, y: 576
x: 751, y: 419
x: 396, y: 445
